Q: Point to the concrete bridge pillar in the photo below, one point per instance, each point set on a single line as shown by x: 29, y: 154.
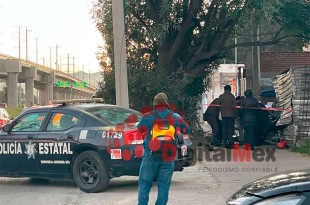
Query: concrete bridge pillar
x: 29, y: 100
x: 12, y: 67
x: 46, y: 94
x: 12, y: 80
x: 43, y: 95
x: 31, y: 73
x: 68, y: 94
x: 63, y: 95
x: 51, y: 81
x: 55, y: 94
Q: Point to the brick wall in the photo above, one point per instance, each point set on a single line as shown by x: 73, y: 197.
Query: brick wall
x: 279, y: 62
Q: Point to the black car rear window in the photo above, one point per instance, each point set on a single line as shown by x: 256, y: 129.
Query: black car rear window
x: 113, y: 115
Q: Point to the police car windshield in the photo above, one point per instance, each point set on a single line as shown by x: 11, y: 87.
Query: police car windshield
x: 115, y: 115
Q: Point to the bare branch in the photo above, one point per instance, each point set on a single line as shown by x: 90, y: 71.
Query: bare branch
x: 212, y: 11
x: 278, y: 33
x: 259, y: 43
x: 186, y: 27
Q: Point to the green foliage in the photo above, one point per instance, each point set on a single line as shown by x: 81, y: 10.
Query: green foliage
x: 304, y: 148
x: 173, y: 46
x: 3, y: 94
x: 14, y: 112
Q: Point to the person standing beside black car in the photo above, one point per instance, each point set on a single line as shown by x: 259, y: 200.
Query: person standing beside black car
x: 211, y: 115
x: 228, y: 105
x: 248, y: 113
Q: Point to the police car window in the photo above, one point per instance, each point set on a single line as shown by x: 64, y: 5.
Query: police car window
x: 61, y: 121
x: 29, y: 122
x: 114, y: 115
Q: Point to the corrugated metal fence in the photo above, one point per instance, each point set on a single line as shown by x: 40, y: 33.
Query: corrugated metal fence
x: 301, y: 101
x: 293, y: 95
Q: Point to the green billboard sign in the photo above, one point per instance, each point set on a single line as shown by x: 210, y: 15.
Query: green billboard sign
x: 80, y: 84
x: 63, y: 84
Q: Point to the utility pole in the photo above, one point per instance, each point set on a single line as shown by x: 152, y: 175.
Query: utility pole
x: 37, y: 52
x: 121, y: 83
x: 43, y: 60
x: 19, y: 42
x: 27, y: 42
x: 50, y: 57
x: 19, y: 60
x: 68, y: 63
x: 56, y: 57
x: 60, y: 63
x: 236, y: 52
x: 83, y: 74
x: 256, y: 63
x: 73, y: 67
x: 89, y: 76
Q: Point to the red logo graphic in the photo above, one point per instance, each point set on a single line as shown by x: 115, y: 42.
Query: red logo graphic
x: 132, y: 137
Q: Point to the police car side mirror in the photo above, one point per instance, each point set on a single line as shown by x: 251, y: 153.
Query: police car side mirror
x: 6, y: 128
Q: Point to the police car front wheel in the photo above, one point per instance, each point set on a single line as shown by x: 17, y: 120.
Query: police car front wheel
x: 90, y: 173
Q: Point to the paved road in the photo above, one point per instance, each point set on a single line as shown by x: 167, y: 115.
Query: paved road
x: 205, y: 183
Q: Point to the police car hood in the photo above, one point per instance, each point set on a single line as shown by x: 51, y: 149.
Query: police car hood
x: 279, y: 183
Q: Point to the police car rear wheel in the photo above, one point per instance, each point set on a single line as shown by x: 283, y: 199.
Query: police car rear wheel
x: 90, y: 173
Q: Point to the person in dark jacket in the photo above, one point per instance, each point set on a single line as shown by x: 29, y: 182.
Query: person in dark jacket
x: 228, y: 105
x: 248, y: 111
x: 262, y: 122
x: 211, y: 116
x: 239, y: 123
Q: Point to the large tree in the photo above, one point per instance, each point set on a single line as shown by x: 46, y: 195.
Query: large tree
x: 173, y: 45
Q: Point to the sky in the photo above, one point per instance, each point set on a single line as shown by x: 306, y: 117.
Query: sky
x: 66, y: 23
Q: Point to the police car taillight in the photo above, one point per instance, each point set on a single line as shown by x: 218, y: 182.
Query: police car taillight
x: 2, y: 122
x: 133, y: 137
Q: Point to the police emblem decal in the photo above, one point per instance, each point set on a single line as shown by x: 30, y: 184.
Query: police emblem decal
x: 30, y: 150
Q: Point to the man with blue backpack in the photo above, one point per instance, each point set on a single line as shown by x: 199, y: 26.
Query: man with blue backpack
x: 159, y: 128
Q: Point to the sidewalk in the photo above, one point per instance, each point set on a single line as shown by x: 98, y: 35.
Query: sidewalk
x: 213, y: 182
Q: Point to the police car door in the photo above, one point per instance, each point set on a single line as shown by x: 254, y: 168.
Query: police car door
x: 18, y: 147
x: 57, y: 140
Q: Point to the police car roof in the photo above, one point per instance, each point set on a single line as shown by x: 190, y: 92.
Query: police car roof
x: 79, y: 104
x: 75, y: 101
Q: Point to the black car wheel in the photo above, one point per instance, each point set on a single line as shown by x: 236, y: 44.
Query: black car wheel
x: 90, y: 173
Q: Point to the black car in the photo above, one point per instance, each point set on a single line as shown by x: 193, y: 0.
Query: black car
x: 90, y: 143
x: 290, y: 187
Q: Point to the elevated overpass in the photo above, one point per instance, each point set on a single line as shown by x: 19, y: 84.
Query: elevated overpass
x: 44, y: 79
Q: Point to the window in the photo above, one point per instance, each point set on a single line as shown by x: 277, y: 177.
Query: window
x: 115, y: 115
x: 61, y: 121
x: 30, y: 122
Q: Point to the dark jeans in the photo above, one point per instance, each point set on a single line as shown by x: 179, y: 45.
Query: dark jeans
x: 216, y: 126
x: 249, y: 134
x: 150, y: 168
x: 228, y: 124
x: 240, y: 130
